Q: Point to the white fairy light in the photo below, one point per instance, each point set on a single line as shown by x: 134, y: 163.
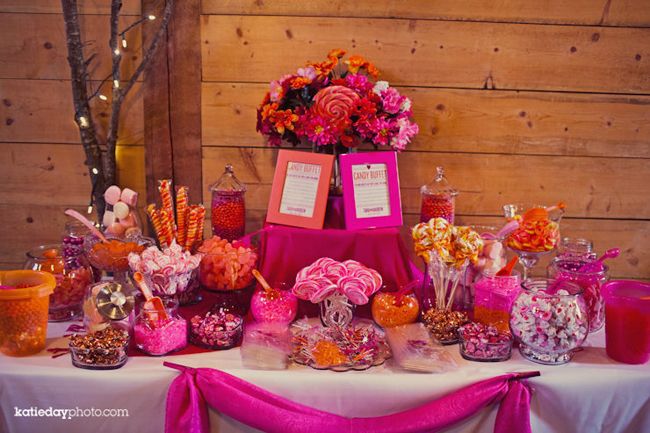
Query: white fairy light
x: 90, y: 209
x: 116, y: 84
x: 95, y: 171
x: 124, y: 44
x: 83, y: 122
x: 151, y: 17
x: 117, y: 51
x: 103, y: 97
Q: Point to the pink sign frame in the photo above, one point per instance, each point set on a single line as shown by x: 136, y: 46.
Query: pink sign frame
x: 347, y: 161
x: 285, y: 157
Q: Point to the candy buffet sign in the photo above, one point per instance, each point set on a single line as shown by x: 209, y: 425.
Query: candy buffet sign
x: 300, y: 188
x: 371, y: 190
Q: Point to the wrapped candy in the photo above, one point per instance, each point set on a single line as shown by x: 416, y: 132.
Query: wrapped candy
x: 166, y: 271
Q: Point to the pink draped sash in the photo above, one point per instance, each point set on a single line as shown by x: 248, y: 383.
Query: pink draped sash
x: 249, y: 404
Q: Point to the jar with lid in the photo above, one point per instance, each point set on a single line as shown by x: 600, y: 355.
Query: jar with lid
x: 549, y: 320
x: 591, y: 281
x: 72, y: 276
x: 577, y: 249
x: 438, y: 198
x: 228, y: 208
x: 156, y: 335
x: 72, y: 243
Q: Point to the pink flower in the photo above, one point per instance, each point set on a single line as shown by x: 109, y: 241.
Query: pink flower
x: 407, y: 130
x: 309, y: 73
x: 359, y: 83
x: 382, y: 131
x: 318, y: 130
x: 276, y: 88
x: 391, y: 100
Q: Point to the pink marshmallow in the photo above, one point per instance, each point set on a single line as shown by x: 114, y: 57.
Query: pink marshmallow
x: 129, y: 197
x: 112, y: 194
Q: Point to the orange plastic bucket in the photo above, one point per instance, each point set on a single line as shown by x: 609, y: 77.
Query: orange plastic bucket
x: 24, y: 300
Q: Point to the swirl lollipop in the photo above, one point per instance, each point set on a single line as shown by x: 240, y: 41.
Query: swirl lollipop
x: 335, y: 103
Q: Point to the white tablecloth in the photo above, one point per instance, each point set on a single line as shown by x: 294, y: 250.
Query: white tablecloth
x: 590, y: 394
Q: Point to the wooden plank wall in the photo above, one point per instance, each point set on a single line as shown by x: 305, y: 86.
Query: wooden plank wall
x: 519, y: 100
x: 42, y: 161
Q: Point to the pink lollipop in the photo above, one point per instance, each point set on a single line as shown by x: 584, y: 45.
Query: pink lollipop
x: 305, y: 288
x: 335, y: 272
x: 326, y: 288
x: 354, y: 289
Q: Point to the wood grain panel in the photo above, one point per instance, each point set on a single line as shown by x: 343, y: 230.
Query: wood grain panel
x: 129, y: 7
x: 41, y: 51
x: 55, y: 174
x: 592, y: 187
x: 434, y: 53
x: 41, y: 111
x: 625, y: 12
x: 471, y: 121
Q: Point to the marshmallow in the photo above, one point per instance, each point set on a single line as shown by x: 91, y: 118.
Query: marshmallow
x: 129, y: 197
x: 112, y: 194
x: 121, y: 210
x: 109, y: 218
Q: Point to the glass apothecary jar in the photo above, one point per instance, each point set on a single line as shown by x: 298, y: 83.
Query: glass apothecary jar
x: 72, y: 276
x: 228, y: 206
x: 591, y: 282
x: 156, y: 335
x: 438, y: 198
x: 549, y: 319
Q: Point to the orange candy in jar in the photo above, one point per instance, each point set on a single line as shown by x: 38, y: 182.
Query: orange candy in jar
x: 538, y: 235
x: 394, y: 309
x: 228, y: 207
x: 24, y: 300
x: 72, y: 277
x: 113, y: 256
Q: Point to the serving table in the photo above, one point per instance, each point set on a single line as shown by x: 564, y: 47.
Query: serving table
x: 590, y: 394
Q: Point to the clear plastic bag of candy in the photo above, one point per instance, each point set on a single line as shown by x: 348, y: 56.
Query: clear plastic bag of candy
x: 413, y: 349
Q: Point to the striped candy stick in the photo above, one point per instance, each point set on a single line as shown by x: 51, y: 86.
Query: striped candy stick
x: 192, y: 227
x: 181, y: 214
x: 167, y: 201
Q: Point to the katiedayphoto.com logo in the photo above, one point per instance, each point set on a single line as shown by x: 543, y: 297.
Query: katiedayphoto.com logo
x: 69, y: 413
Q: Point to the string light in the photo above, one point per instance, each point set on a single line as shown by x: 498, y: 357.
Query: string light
x: 124, y: 44
x: 95, y: 171
x: 116, y: 84
x: 90, y: 209
x: 83, y: 122
x: 151, y: 17
x: 103, y: 97
x: 117, y: 51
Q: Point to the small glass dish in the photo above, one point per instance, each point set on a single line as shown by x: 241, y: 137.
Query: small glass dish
x: 485, y: 352
x: 218, y: 330
x: 83, y: 355
x: 113, y: 256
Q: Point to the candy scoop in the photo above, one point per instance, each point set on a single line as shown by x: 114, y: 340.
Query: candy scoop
x: 154, y: 303
x: 597, y: 265
x: 506, y: 271
x: 540, y: 213
x: 83, y: 220
x: 510, y: 227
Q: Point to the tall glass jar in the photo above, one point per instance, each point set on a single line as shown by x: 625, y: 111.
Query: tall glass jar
x: 228, y: 207
x: 72, y: 276
x: 438, y: 198
x: 576, y: 248
x: 591, y: 283
x: 72, y: 243
x: 549, y: 320
x: 159, y: 336
x: 493, y: 299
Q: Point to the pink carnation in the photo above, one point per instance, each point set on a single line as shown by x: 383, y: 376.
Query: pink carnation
x: 407, y: 130
x: 318, y: 130
x: 359, y: 83
x: 391, y: 100
x: 382, y: 129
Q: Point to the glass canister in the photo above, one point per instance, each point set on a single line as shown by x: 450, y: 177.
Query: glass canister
x: 156, y: 335
x: 591, y: 281
x: 72, y: 276
x: 576, y: 248
x: 493, y: 299
x: 109, y: 303
x: 72, y: 243
x: 278, y: 305
x: 228, y: 208
x: 549, y: 320
x: 438, y: 198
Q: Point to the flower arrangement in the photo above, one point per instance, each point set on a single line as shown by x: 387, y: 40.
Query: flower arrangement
x: 329, y: 105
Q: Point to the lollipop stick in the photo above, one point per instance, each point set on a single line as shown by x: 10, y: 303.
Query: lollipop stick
x: 260, y: 279
x: 83, y: 220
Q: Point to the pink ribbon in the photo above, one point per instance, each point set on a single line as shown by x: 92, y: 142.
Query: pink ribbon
x: 249, y: 404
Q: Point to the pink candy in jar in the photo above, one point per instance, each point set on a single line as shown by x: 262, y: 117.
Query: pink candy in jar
x: 479, y: 342
x: 275, y: 305
x: 160, y: 337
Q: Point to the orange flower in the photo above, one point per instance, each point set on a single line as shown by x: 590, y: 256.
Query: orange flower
x: 335, y: 54
x: 355, y: 63
x: 323, y: 69
x: 268, y: 110
x: 372, y: 71
x: 299, y: 82
x: 283, y: 119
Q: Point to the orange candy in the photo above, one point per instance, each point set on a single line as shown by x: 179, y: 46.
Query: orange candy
x: 328, y: 354
x: 389, y: 309
x: 114, y: 254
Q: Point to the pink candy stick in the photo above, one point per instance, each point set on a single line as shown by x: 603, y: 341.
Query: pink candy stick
x: 112, y: 194
x: 83, y: 220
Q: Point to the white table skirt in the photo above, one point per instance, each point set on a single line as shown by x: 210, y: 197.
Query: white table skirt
x: 590, y: 394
